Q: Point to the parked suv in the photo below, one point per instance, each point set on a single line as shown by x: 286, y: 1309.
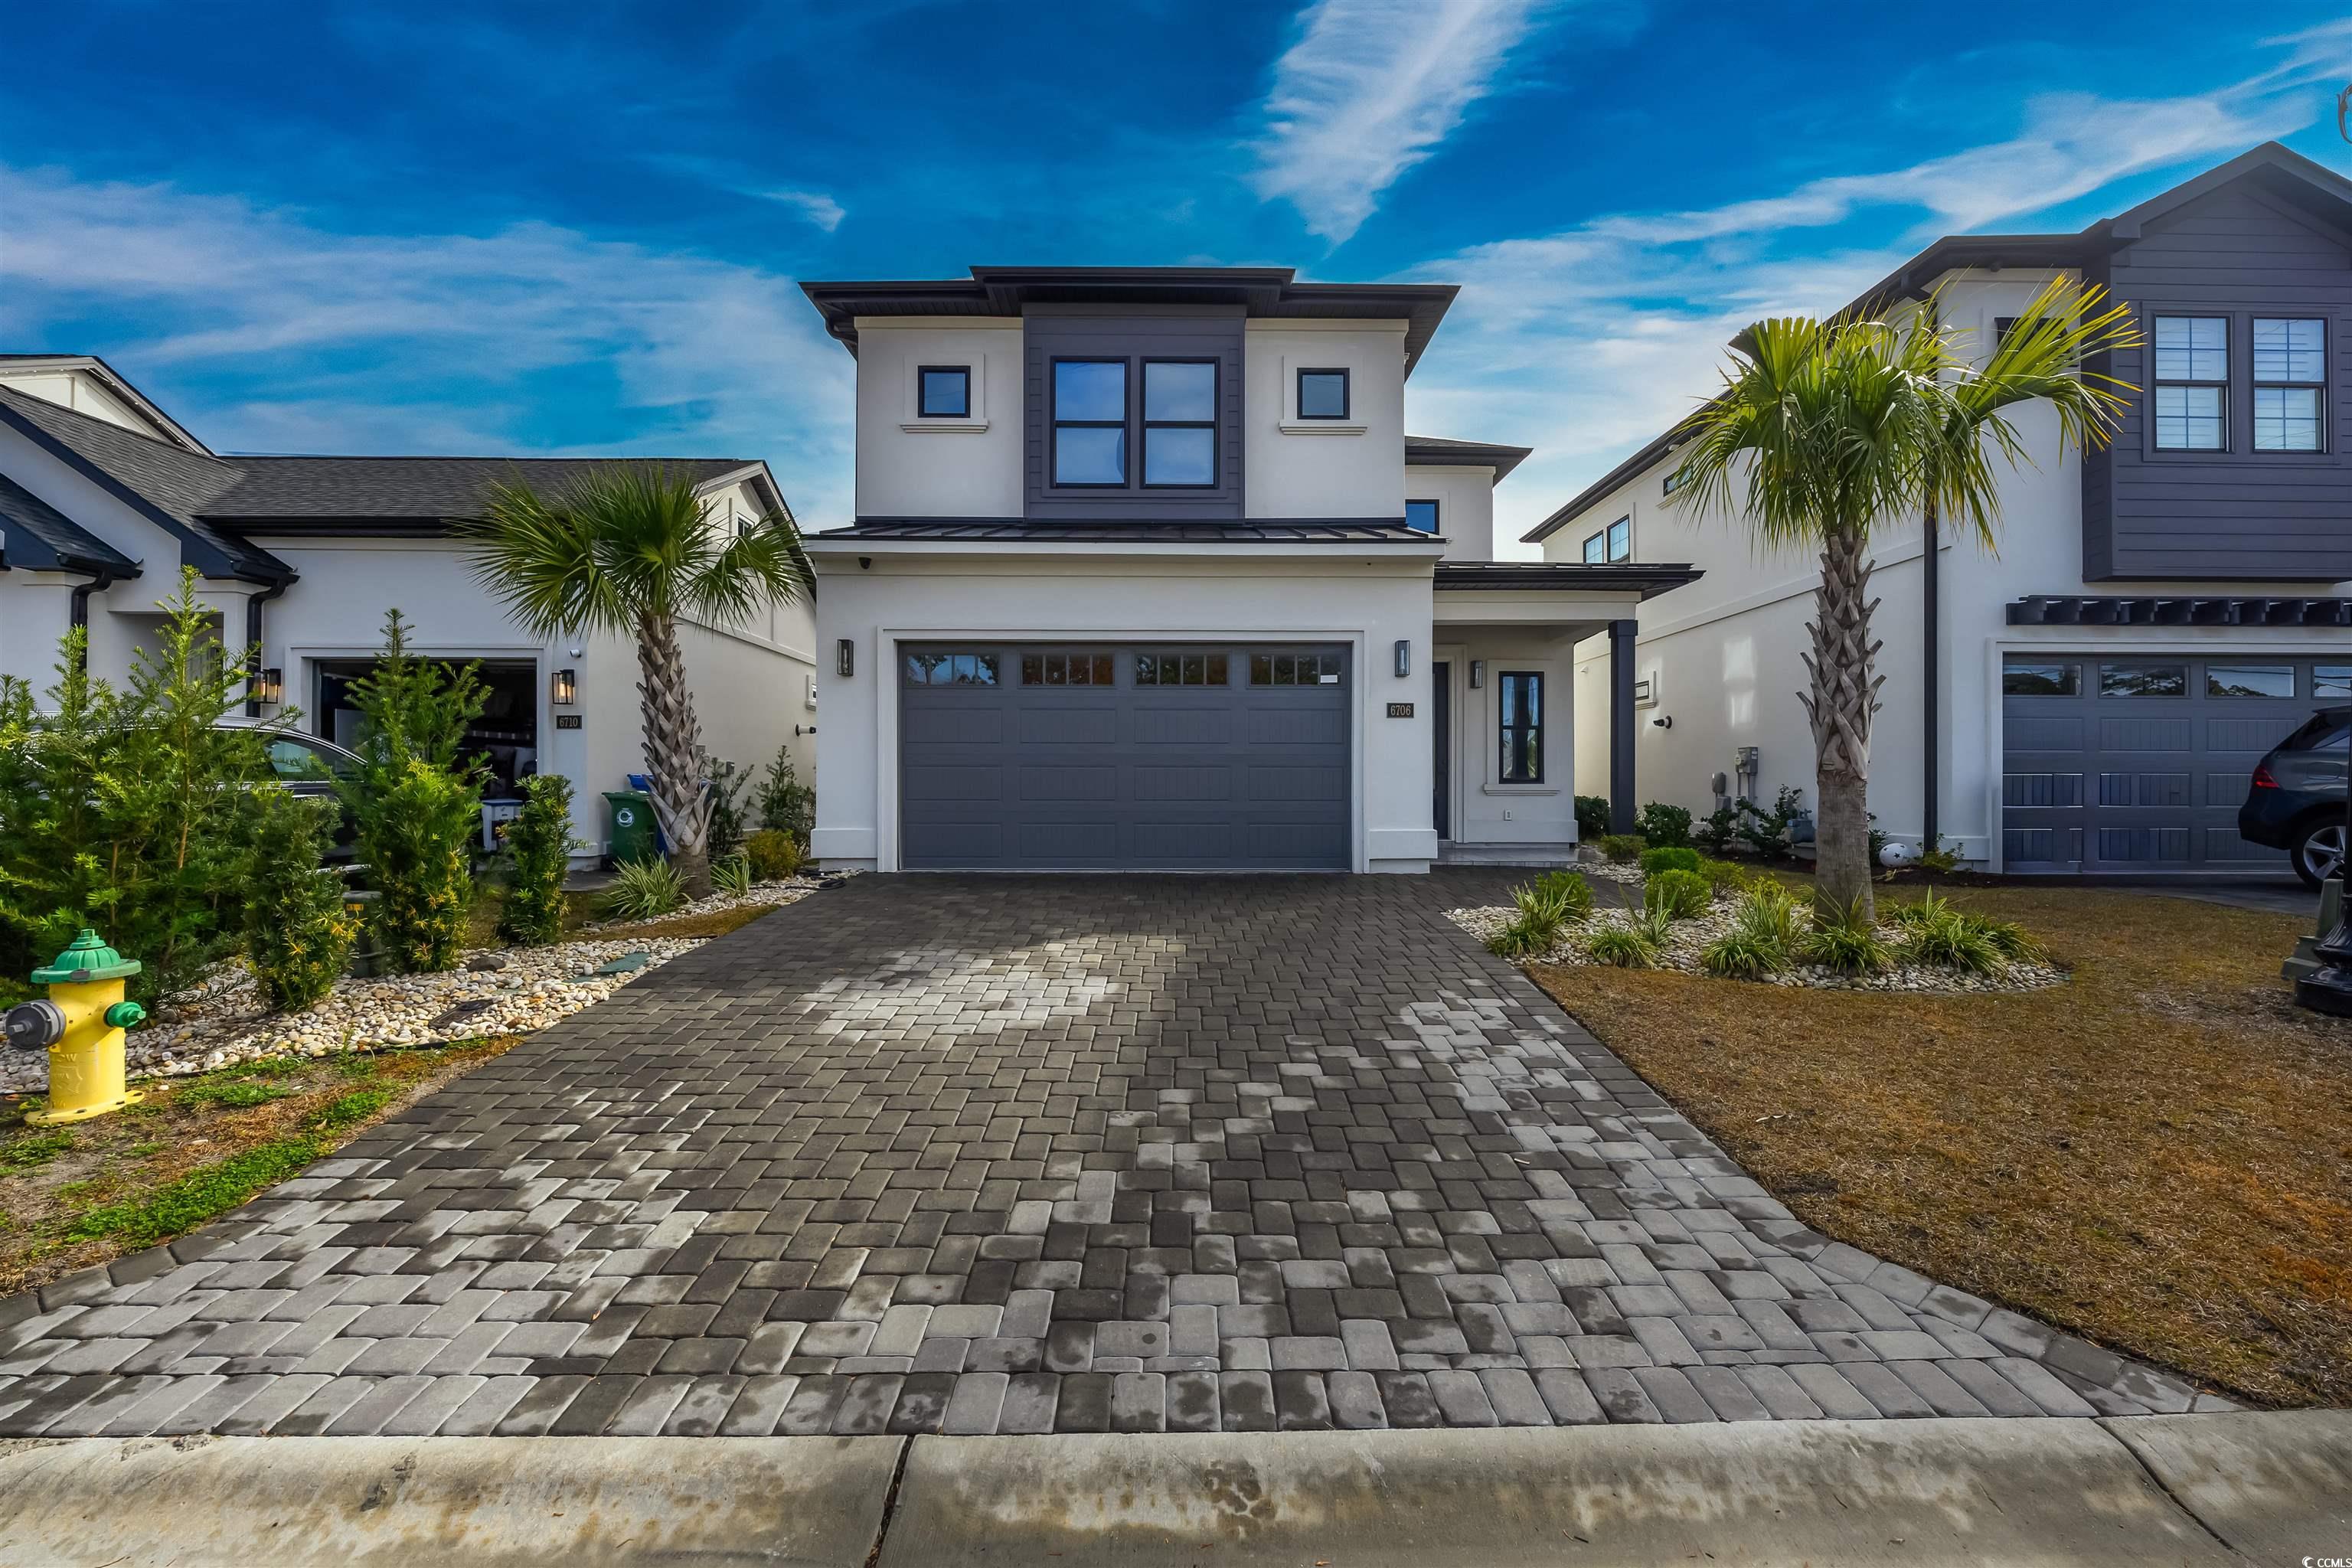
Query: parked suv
x: 2296, y: 803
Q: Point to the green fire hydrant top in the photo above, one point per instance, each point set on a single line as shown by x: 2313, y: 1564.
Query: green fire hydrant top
x: 86, y: 960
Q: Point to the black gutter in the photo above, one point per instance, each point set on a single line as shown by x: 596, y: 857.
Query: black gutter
x: 253, y: 654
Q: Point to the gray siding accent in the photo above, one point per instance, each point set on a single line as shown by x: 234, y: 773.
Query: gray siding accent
x: 1172, y: 331
x: 2237, y: 515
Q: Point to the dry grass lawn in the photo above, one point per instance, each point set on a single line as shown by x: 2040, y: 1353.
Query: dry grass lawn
x: 2157, y: 1156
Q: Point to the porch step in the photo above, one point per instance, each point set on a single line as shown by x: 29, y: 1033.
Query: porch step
x: 1450, y: 854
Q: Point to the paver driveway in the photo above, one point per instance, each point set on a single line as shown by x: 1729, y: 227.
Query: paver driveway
x: 998, y: 1154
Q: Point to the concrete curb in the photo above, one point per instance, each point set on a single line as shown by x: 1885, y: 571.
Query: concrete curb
x: 2204, y: 1490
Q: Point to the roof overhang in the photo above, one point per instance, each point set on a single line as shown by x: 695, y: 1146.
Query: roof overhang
x: 1438, y: 452
x: 1641, y: 579
x: 1272, y: 292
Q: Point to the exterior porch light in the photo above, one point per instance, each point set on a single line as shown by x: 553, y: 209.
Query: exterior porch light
x: 1477, y: 673
x: 1405, y: 656
x: 268, y: 686
x: 845, y: 658
x: 564, y: 690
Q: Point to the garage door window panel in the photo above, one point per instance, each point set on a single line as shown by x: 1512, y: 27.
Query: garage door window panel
x: 951, y: 668
x: 2019, y: 678
x: 1294, y: 669
x: 2143, y: 680
x: 2250, y: 681
x: 1067, y: 670
x: 2332, y: 680
x: 1180, y: 670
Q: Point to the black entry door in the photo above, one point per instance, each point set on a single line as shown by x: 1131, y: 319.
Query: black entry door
x: 1440, y: 748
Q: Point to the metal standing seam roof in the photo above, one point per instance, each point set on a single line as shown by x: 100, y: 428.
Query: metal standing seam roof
x: 1307, y: 531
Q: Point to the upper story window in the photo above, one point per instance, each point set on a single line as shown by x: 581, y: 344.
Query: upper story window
x: 1180, y: 422
x: 2290, y: 385
x: 943, y: 392
x: 1614, y: 542
x: 1323, y: 394
x: 1673, y: 481
x: 1090, y: 422
x: 2192, y: 383
x: 1420, y: 516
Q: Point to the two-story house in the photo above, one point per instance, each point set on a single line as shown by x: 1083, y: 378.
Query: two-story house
x: 104, y: 498
x: 2094, y: 696
x: 1147, y: 574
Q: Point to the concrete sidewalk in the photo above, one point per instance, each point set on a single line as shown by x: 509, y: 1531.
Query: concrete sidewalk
x: 2227, y: 1489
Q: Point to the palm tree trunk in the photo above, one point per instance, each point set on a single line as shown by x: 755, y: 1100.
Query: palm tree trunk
x: 1844, y: 698
x: 673, y: 740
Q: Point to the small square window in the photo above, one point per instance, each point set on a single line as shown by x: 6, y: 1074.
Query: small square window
x: 2022, y: 678
x: 1323, y: 394
x: 2143, y: 680
x: 2193, y: 348
x: 2188, y: 419
x: 1420, y: 516
x: 945, y: 392
x: 2250, y: 681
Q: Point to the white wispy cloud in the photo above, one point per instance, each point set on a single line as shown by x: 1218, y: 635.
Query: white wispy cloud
x: 312, y: 340
x: 814, y: 205
x: 1370, y: 89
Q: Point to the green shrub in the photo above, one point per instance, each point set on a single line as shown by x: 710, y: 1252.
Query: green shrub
x: 642, y: 891
x: 1738, y: 955
x: 2008, y: 938
x: 774, y: 854
x: 1767, y: 832
x: 1592, y: 816
x: 732, y: 874
x: 1944, y: 857
x: 1846, y: 941
x: 539, y: 845
x: 1666, y: 824
x: 1542, y: 913
x: 728, y: 781
x: 1767, y: 930
x: 1670, y: 858
x: 1621, y: 847
x: 297, y: 937
x: 128, y: 810
x: 1774, y: 911
x: 1715, y: 833
x: 1633, y: 945
x: 419, y: 841
x: 1573, y: 891
x: 1937, y: 934
x: 786, y: 803
x: 1723, y: 875
x: 1682, y: 895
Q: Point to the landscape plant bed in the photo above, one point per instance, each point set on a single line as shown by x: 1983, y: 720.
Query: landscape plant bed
x: 2155, y: 1155
x: 75, y: 1196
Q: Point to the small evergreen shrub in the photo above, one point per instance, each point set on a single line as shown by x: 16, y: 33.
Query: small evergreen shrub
x: 1573, y: 891
x: 726, y: 781
x: 642, y: 891
x: 1715, y: 833
x: 1723, y: 875
x: 419, y: 845
x: 774, y: 854
x: 1621, y: 847
x: 1767, y: 832
x: 1670, y: 858
x: 297, y: 937
x: 732, y: 874
x: 786, y: 803
x: 1592, y: 816
x: 1663, y: 824
x: 539, y: 846
x: 1843, y: 941
x: 1682, y: 895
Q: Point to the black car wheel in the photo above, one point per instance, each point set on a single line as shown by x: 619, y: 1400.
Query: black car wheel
x: 2318, y: 854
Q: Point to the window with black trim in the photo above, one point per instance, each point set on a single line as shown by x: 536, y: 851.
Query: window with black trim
x: 1673, y: 481
x: 1066, y: 669
x: 2192, y: 383
x: 1091, y: 423
x: 950, y: 668
x: 943, y: 392
x: 1180, y: 670
x: 1614, y: 542
x: 1180, y: 423
x: 1294, y: 669
x: 2290, y: 385
x: 1420, y: 516
x: 1323, y: 394
x: 2034, y: 677
x: 2002, y: 327
x: 1522, y: 725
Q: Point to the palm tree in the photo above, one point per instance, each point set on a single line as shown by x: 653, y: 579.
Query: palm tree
x: 626, y: 549
x: 1825, y: 431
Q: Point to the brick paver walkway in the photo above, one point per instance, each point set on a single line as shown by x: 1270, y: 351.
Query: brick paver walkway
x: 1035, y: 1154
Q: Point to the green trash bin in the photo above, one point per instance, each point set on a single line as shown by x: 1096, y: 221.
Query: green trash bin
x: 629, y: 827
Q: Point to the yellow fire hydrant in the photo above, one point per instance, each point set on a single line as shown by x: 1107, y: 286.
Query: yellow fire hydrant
x: 81, y: 1023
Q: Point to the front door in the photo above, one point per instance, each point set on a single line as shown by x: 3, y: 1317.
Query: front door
x: 1441, y: 749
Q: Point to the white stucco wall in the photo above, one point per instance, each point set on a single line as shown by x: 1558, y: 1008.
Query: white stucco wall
x: 1350, y: 468
x: 1173, y: 593
x: 1465, y: 506
x: 939, y: 467
x: 1484, y: 809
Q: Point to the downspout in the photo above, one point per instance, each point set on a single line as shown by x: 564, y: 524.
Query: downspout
x: 253, y: 640
x: 101, y: 578
x: 1929, y: 710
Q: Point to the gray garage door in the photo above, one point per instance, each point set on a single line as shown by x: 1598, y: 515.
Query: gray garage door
x: 2140, y: 763
x: 1074, y: 756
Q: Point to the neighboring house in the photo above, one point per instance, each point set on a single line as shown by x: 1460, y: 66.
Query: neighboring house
x: 1145, y: 573
x: 104, y: 498
x: 2093, y: 698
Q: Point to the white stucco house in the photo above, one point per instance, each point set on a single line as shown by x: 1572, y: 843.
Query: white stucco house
x: 104, y: 498
x: 1145, y: 573
x: 2094, y: 697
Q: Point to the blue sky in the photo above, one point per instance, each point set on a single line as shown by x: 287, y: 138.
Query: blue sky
x: 540, y: 228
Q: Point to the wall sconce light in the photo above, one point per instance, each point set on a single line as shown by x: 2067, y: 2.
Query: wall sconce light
x: 845, y: 658
x: 564, y: 690
x: 269, y: 686
x: 1404, y: 655
x: 1477, y: 673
